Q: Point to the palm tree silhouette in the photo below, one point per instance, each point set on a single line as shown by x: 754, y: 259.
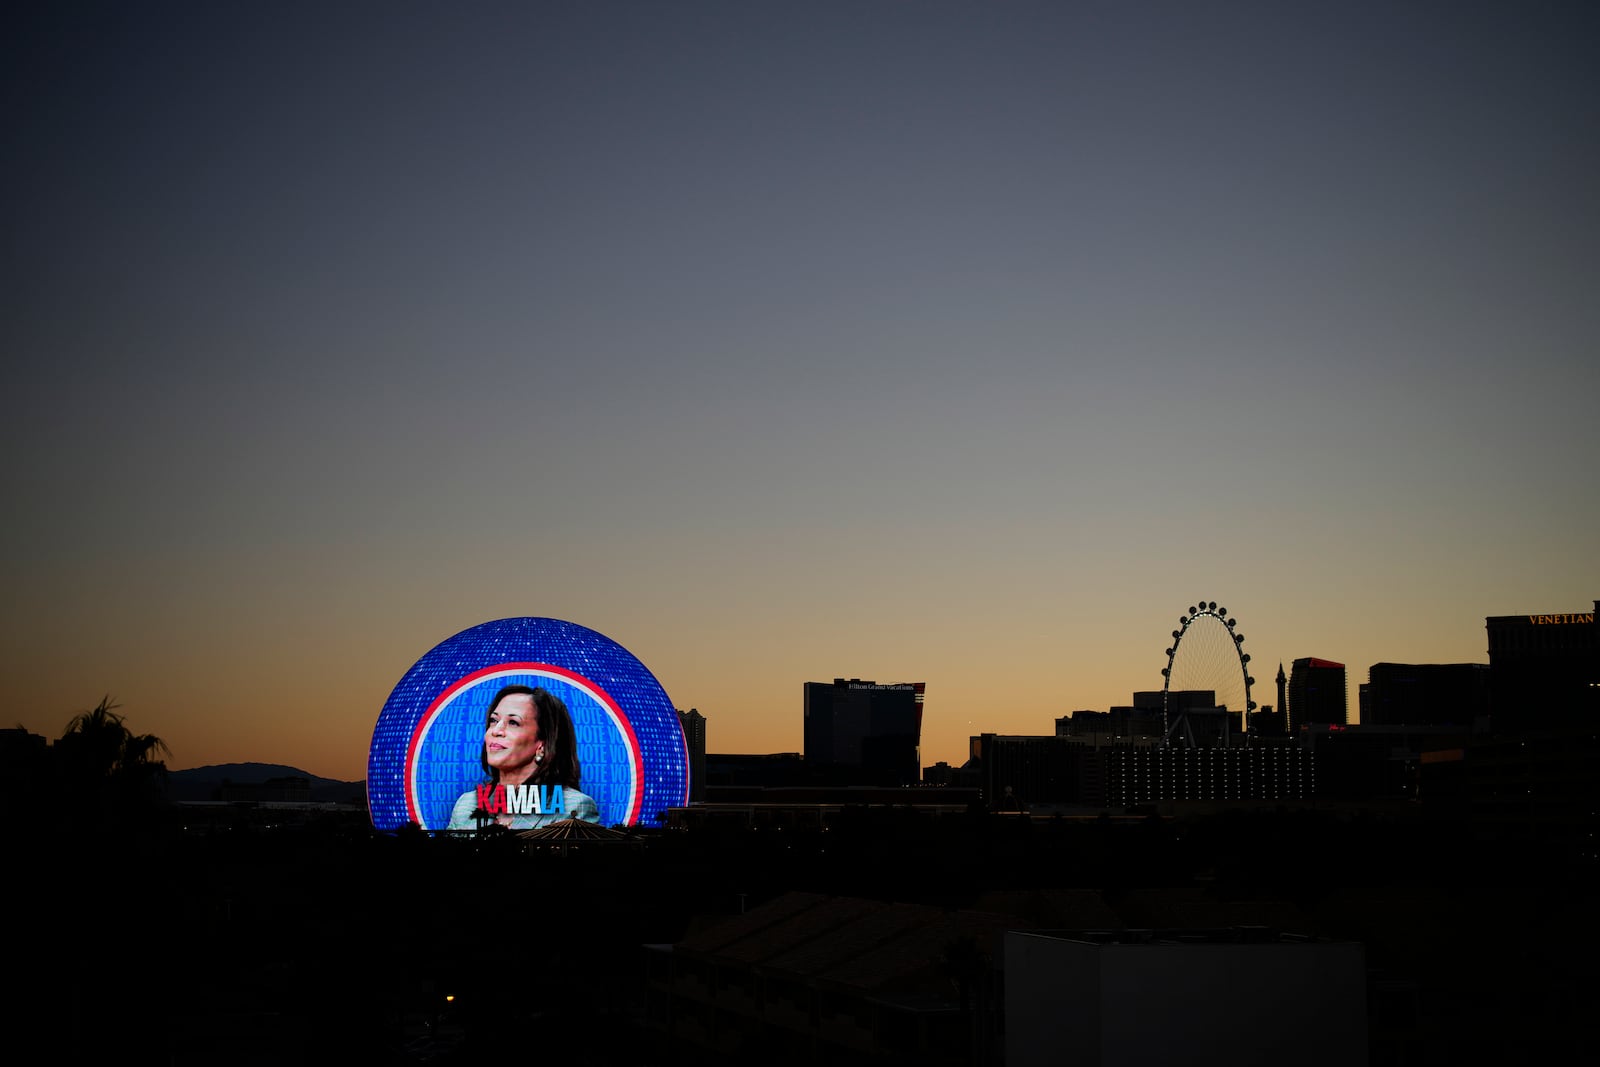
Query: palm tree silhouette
x: 102, y: 761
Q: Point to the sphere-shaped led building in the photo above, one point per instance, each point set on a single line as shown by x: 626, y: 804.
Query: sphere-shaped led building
x: 430, y: 761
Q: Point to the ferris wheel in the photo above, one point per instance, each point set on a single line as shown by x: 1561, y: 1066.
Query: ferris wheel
x: 1207, y: 655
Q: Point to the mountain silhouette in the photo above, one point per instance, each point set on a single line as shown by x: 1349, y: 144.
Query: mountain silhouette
x: 204, y: 783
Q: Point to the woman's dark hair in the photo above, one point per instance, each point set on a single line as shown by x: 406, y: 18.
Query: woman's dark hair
x: 560, y: 763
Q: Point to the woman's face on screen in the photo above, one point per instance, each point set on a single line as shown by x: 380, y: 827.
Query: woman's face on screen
x: 511, y: 739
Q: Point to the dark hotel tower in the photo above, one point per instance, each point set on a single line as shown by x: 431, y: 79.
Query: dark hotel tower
x: 863, y: 733
x: 1425, y: 694
x: 694, y: 737
x: 1316, y: 694
x: 1544, y: 671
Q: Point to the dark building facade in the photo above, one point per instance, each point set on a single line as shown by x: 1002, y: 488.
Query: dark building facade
x: 1541, y: 791
x: 1120, y: 725
x: 1135, y: 776
x: 1317, y: 694
x: 1019, y: 771
x: 1067, y: 992
x: 806, y: 979
x: 694, y: 737
x: 763, y: 771
x: 1544, y: 671
x: 1425, y: 694
x: 863, y: 733
x: 1362, y: 763
x: 1269, y: 724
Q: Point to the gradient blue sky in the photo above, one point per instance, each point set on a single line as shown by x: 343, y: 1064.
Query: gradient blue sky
x: 966, y: 343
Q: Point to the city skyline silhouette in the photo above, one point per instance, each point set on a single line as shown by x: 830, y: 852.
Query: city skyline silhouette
x: 946, y: 343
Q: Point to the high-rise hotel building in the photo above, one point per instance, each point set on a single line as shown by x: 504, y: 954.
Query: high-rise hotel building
x: 694, y: 739
x: 1544, y: 671
x: 1317, y: 694
x: 863, y: 733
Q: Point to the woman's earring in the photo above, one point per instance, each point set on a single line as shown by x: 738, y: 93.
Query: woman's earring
x: 538, y: 756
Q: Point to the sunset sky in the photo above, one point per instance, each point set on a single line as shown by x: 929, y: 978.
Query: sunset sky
x: 959, y: 343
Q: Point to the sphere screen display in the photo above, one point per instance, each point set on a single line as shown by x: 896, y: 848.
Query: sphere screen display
x: 526, y: 722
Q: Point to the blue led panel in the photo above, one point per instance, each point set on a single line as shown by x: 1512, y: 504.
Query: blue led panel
x: 428, y: 743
